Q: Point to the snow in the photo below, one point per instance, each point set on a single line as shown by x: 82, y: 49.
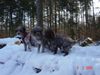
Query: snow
x: 80, y: 61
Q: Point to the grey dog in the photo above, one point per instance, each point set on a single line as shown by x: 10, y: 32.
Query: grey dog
x: 61, y: 43
x: 54, y: 42
x: 28, y: 39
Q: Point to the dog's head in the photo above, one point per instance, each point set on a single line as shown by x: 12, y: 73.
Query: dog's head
x: 49, y: 34
x: 37, y: 32
x: 20, y: 30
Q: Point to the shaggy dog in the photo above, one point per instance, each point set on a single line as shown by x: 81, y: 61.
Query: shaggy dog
x: 27, y: 38
x: 54, y: 42
x: 61, y: 43
x: 46, y: 39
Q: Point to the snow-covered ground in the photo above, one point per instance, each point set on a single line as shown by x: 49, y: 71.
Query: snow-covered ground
x: 15, y: 61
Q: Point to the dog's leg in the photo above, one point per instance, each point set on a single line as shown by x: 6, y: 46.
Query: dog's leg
x: 29, y: 46
x: 53, y: 47
x: 25, y: 46
x: 39, y: 46
x: 55, y: 50
x: 66, y: 53
x: 66, y: 50
x: 43, y: 47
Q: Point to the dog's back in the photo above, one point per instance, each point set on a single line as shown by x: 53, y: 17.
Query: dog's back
x: 49, y: 34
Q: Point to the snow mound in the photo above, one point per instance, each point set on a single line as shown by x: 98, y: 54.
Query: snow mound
x: 15, y: 61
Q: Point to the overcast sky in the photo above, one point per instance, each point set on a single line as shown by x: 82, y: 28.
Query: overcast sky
x: 97, y: 5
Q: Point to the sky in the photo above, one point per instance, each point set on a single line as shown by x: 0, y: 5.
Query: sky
x: 97, y: 6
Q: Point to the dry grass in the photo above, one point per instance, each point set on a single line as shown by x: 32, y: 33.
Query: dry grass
x: 3, y: 35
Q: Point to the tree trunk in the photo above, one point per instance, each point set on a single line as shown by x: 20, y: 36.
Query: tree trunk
x: 55, y: 18
x: 39, y: 13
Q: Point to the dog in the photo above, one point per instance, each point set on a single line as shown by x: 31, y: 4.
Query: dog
x: 53, y: 42
x: 46, y: 39
x: 61, y: 43
x: 27, y: 38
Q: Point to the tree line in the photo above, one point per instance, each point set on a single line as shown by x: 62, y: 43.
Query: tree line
x: 75, y: 18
